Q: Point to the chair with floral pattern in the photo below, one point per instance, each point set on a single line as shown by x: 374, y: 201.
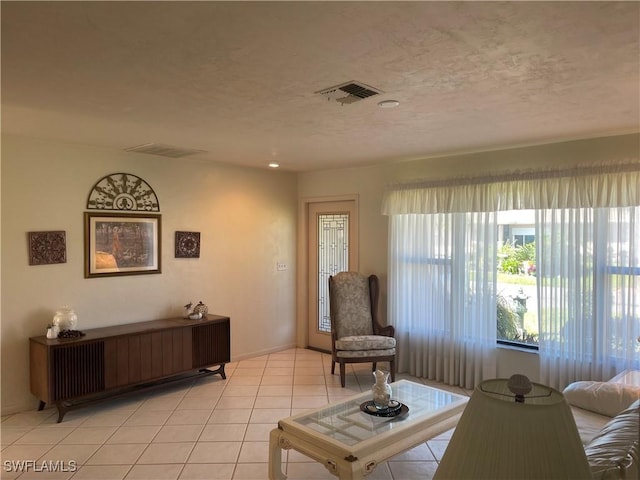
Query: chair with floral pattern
x: 356, y: 334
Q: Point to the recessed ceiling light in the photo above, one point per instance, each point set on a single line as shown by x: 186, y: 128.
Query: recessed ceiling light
x: 274, y: 165
x: 388, y: 104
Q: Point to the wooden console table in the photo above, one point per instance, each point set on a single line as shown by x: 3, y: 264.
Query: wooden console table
x: 115, y: 360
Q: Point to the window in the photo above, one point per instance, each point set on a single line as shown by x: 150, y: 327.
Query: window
x: 574, y: 246
x: 517, y: 299
x: 520, y: 240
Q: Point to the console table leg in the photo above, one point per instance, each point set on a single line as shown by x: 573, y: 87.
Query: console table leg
x: 61, y: 411
x: 219, y: 370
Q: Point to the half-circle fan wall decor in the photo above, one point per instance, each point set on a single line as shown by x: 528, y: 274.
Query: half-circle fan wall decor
x: 123, y: 192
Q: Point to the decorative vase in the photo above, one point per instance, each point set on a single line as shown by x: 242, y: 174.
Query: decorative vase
x: 65, y: 319
x: 381, y: 390
x: 51, y: 332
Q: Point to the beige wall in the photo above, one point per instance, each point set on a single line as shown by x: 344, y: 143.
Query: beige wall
x: 247, y: 219
x: 369, y: 184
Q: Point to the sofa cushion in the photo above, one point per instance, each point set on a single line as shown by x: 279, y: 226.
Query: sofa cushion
x: 614, y: 452
x: 605, y: 398
x: 589, y: 423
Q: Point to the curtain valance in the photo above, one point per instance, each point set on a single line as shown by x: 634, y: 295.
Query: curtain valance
x: 597, y: 186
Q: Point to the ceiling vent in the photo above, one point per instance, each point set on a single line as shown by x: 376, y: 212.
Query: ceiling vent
x: 349, y: 92
x: 163, y: 150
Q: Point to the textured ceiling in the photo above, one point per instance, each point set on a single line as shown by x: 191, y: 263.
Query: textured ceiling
x: 237, y: 79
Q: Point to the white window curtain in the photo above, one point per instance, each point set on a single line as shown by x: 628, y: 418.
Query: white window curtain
x: 589, y: 293
x: 442, y: 272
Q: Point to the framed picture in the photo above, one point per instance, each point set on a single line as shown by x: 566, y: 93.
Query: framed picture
x: 46, y: 248
x: 121, y: 244
x: 187, y: 245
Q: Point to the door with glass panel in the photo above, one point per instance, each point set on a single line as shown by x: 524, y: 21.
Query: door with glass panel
x: 333, y: 248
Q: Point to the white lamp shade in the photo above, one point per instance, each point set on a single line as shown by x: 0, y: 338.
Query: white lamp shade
x: 499, y: 438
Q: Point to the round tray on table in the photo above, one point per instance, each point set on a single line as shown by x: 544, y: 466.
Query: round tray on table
x: 395, y: 409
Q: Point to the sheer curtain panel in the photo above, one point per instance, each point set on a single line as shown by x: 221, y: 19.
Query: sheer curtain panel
x: 442, y: 270
x: 589, y: 293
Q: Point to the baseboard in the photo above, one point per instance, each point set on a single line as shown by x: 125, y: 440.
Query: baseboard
x: 19, y: 408
x: 259, y: 353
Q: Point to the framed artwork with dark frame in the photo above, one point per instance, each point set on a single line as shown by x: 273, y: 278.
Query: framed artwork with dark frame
x: 46, y: 248
x: 121, y: 244
x: 187, y: 245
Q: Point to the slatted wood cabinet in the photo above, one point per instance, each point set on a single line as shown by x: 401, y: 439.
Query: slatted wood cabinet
x: 119, y: 359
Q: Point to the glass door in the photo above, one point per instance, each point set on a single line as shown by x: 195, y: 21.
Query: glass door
x: 332, y: 248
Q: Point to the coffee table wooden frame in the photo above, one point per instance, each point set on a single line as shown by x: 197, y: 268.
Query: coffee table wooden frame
x: 351, y: 462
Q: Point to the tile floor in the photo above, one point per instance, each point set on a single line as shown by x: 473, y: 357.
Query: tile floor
x: 209, y: 429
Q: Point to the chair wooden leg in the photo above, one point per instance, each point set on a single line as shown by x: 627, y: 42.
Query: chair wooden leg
x: 392, y: 366
x: 342, y: 374
x: 373, y: 367
x: 333, y: 367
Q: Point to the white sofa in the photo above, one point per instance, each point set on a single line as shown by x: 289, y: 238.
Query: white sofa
x: 608, y: 418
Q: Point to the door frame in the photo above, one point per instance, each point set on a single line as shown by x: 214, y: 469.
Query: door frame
x: 302, y: 274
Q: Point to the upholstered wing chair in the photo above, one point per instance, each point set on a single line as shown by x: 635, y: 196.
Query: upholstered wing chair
x: 356, y: 334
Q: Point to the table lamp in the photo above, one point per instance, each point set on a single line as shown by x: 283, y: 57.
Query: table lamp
x: 515, y: 429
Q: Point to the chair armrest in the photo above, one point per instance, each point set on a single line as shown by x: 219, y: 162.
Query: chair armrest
x: 388, y: 330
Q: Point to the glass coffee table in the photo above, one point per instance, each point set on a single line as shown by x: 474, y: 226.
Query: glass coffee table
x: 350, y: 443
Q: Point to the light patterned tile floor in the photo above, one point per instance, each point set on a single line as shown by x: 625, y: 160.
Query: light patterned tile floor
x: 212, y: 429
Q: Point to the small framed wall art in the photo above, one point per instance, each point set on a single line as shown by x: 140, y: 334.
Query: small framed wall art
x: 46, y: 248
x: 187, y: 244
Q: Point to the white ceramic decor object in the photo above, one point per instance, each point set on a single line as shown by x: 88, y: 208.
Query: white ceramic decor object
x: 65, y: 319
x: 381, y: 390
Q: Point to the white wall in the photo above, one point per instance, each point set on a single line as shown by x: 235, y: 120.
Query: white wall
x: 369, y: 184
x: 247, y: 219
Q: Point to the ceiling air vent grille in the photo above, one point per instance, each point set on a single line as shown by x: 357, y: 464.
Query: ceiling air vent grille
x: 349, y: 92
x: 163, y: 150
